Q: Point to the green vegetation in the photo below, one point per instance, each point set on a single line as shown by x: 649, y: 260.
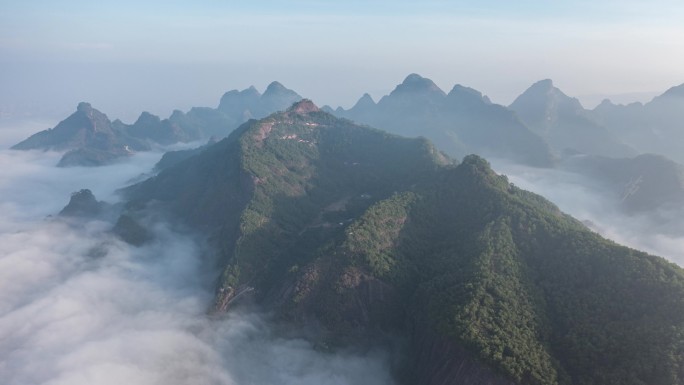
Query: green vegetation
x: 367, y: 231
x: 529, y: 289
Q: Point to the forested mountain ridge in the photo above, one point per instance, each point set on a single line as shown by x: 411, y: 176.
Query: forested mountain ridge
x: 367, y: 232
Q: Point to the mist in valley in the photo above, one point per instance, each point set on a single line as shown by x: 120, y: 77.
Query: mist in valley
x: 658, y: 232
x: 79, y: 306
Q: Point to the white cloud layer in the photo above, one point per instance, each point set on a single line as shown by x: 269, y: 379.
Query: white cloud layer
x: 660, y: 233
x: 78, y: 306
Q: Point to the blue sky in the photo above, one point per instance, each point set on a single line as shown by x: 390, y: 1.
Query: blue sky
x: 128, y: 56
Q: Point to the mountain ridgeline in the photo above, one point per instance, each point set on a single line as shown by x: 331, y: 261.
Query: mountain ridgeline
x: 654, y: 127
x: 645, y: 183
x: 363, y: 233
x: 461, y: 122
x: 542, y: 126
x: 562, y: 122
x: 91, y: 139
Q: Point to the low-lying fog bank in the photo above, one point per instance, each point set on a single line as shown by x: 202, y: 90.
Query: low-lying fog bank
x: 661, y: 234
x: 78, y: 306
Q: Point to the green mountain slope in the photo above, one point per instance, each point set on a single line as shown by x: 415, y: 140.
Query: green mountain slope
x: 361, y: 232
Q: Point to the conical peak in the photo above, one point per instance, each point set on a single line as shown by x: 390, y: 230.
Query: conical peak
x: 365, y: 101
x: 542, y: 105
x: 275, y: 87
x: 276, y: 91
x: 367, y: 98
x: 539, y: 89
x: 545, y: 84
x: 83, y: 195
x: 417, y: 83
x: 147, y: 117
x: 544, y: 91
x: 303, y: 106
x: 85, y: 111
x: 413, y: 78
x: 464, y: 93
x: 84, y: 107
x: 605, y: 105
x: 250, y: 91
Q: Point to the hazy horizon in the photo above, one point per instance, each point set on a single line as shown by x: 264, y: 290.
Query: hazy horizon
x: 126, y: 57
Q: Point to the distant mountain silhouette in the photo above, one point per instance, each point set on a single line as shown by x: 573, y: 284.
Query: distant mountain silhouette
x: 88, y: 135
x: 562, y: 121
x: 83, y: 204
x: 461, y: 122
x: 657, y: 126
x: 645, y: 183
x: 250, y: 104
x: 91, y: 139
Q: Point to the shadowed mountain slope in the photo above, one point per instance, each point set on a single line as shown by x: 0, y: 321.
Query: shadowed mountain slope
x: 459, y: 123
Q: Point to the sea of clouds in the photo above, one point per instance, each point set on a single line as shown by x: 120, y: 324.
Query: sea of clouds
x: 659, y: 233
x: 78, y: 306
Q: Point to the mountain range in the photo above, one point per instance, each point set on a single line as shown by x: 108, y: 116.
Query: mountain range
x: 654, y: 127
x: 461, y: 122
x: 645, y: 183
x: 359, y: 233
x: 91, y: 139
x: 562, y: 122
x: 542, y: 125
